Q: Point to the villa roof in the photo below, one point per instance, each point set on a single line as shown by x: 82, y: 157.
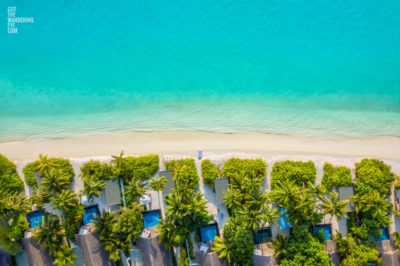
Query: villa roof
x: 169, y: 174
x: 4, y: 257
x: 210, y: 259
x: 37, y: 255
x: 346, y: 193
x: 112, y: 192
x: 221, y: 185
x: 390, y: 258
x: 259, y: 260
x: 397, y: 195
x: 93, y: 252
x: 153, y: 252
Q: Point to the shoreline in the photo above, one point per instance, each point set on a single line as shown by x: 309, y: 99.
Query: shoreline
x: 187, y: 143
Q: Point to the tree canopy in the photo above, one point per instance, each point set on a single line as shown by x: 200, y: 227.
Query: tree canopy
x: 301, y: 173
x: 10, y: 182
x: 209, y: 172
x: 336, y: 176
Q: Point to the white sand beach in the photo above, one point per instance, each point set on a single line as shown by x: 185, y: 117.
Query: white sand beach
x: 189, y: 142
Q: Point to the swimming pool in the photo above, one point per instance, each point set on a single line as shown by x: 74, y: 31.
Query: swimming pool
x: 327, y: 230
x: 35, y: 218
x: 261, y: 235
x: 385, y: 235
x: 151, y: 218
x: 208, y: 233
x: 88, y: 217
x: 284, y: 220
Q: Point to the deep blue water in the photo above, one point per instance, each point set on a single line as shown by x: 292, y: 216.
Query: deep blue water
x: 208, y: 233
x: 151, y: 218
x: 310, y: 68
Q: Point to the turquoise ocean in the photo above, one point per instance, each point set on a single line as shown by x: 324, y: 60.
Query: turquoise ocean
x: 305, y: 68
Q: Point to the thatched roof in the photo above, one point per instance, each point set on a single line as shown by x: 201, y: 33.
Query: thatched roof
x: 153, y: 252
x: 36, y: 254
x: 93, y: 252
x: 170, y: 181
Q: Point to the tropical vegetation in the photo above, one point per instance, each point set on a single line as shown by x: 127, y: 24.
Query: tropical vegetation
x: 249, y: 209
x: 117, y: 233
x: 209, y: 172
x: 186, y: 208
x: 336, y: 176
x: 300, y: 173
x: 293, y: 195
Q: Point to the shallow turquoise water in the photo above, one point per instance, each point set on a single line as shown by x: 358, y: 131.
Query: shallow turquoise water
x: 309, y: 68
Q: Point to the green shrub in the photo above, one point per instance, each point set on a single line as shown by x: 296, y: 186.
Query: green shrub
x: 320, y: 236
x: 373, y: 175
x: 18, y: 227
x: 336, y: 176
x: 29, y: 174
x: 209, y: 171
x: 96, y: 170
x: 353, y: 253
x: 351, y: 221
x: 250, y: 167
x: 6, y: 243
x: 397, y: 184
x: 142, y: 167
x: 189, y: 175
x: 66, y: 167
x: 304, y: 249
x: 10, y: 182
x: 294, y: 171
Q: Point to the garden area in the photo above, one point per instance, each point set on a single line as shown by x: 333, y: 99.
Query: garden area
x: 291, y: 201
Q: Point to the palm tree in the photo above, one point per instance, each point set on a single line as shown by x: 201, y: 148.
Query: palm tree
x: 285, y: 194
x: 333, y: 206
x: 167, y: 231
x: 279, y: 244
x: 50, y: 234
x: 104, y: 225
x: 65, y: 256
x: 13, y: 206
x: 175, y: 206
x: 119, y: 166
x: 45, y: 165
x: 197, y: 206
x: 232, y: 198
x: 65, y: 201
x: 54, y: 183
x: 269, y: 215
x: 134, y: 190
x: 225, y: 249
x: 93, y: 188
x: 158, y: 184
x: 374, y: 203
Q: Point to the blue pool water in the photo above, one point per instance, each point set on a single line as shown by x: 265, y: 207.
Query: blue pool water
x: 310, y: 68
x: 327, y: 230
x: 35, y: 218
x: 284, y: 222
x: 208, y: 233
x: 385, y: 235
x: 88, y: 217
x: 261, y: 236
x: 151, y: 218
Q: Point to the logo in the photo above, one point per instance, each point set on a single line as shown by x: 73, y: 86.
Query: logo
x: 13, y: 20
